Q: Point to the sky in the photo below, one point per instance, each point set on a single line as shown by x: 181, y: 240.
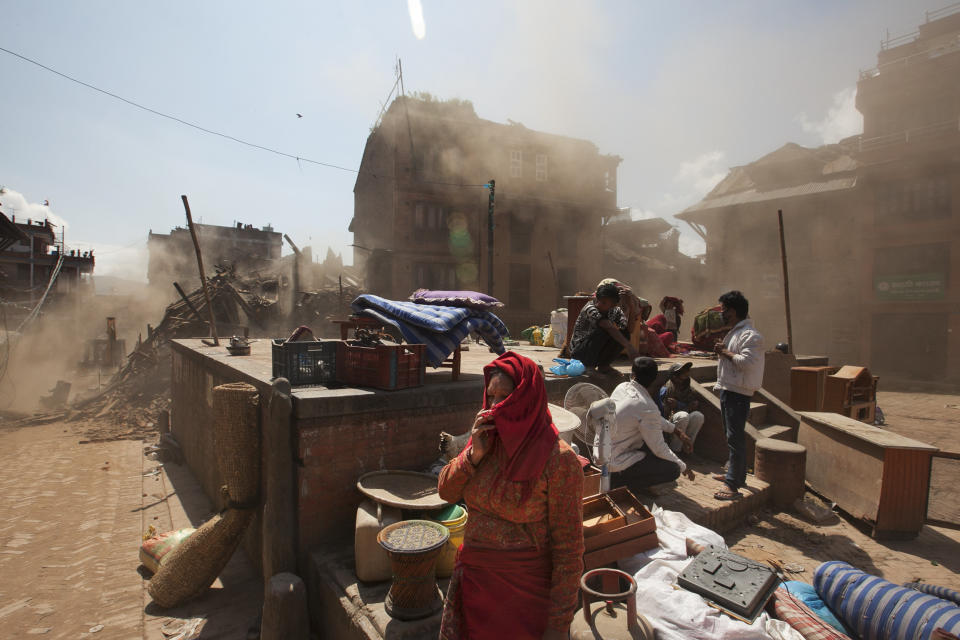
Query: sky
x: 682, y: 91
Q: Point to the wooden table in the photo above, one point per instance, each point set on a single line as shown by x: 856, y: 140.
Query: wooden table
x: 871, y: 473
x: 355, y: 322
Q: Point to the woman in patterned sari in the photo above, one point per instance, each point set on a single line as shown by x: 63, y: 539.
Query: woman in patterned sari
x: 517, y: 573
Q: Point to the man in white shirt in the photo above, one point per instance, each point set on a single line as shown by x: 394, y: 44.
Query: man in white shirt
x: 640, y: 455
x: 739, y: 375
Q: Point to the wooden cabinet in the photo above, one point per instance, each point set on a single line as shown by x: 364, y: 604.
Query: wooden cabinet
x: 806, y: 387
x: 871, y: 473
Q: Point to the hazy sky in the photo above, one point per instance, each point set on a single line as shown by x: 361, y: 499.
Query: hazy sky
x: 681, y: 90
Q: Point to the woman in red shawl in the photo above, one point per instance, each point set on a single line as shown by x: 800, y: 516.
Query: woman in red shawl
x: 517, y: 573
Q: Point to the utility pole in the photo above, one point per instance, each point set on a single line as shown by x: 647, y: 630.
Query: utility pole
x: 492, y: 185
x: 786, y: 280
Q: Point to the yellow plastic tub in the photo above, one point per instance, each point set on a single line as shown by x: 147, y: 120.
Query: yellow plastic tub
x: 455, y: 525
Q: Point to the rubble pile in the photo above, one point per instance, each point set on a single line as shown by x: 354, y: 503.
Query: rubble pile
x: 130, y: 406
x: 318, y: 309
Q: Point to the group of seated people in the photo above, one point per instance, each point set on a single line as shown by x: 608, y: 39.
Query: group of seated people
x: 517, y: 572
x: 652, y: 426
x: 650, y: 430
x: 616, y: 320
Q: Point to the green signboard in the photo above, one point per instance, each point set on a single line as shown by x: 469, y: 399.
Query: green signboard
x: 917, y: 286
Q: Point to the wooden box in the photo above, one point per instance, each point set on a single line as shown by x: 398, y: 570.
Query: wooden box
x: 600, y: 516
x: 630, y: 519
x: 591, y: 481
x: 806, y: 387
x: 871, y: 473
x: 607, y: 555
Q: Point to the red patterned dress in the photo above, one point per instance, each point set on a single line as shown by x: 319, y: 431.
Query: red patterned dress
x: 533, y: 547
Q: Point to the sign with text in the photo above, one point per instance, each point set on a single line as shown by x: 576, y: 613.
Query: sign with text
x: 917, y: 286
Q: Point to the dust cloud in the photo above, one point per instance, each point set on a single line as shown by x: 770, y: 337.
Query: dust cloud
x: 55, y: 345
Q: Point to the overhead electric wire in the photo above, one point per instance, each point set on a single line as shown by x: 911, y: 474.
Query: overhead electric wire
x: 226, y: 136
x: 174, y: 118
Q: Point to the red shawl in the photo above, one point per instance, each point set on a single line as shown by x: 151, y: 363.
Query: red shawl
x: 524, y: 424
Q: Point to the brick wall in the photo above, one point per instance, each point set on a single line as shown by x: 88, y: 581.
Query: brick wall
x: 335, y: 451
x: 339, y: 435
x: 191, y: 422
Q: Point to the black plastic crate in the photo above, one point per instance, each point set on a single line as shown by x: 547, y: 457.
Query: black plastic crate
x: 309, y: 362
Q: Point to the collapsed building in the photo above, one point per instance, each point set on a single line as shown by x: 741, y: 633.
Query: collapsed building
x: 422, y: 214
x: 243, y: 247
x: 870, y: 223
x: 646, y: 255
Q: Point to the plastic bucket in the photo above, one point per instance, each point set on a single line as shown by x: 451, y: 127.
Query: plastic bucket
x: 455, y: 525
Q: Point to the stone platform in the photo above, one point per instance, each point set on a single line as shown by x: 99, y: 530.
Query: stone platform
x: 348, y: 609
x: 353, y: 610
x: 695, y: 498
x: 340, y: 433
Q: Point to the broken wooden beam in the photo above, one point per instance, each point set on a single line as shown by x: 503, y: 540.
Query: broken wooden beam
x: 203, y: 279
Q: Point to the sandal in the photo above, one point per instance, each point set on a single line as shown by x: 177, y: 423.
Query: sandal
x: 719, y: 476
x: 727, y: 494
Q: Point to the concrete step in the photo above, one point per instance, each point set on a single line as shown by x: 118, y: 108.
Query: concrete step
x: 758, y: 413
x: 695, y: 499
x: 709, y: 387
x: 347, y: 609
x: 777, y: 432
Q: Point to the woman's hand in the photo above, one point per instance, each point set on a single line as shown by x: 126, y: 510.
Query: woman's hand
x: 481, y: 441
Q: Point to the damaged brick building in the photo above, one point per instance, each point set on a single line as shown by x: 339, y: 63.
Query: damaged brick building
x: 29, y: 253
x: 421, y: 210
x: 872, y: 223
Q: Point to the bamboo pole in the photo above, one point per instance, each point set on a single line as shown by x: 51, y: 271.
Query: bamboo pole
x: 203, y: 279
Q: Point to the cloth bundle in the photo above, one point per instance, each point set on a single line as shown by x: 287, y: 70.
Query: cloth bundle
x: 794, y: 612
x: 440, y: 328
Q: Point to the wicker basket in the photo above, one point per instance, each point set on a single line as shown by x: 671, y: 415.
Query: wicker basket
x: 413, y: 547
x: 194, y: 565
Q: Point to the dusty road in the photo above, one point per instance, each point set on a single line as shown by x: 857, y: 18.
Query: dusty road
x: 934, y: 556
x: 71, y: 520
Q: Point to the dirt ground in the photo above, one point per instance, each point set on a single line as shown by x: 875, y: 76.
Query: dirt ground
x: 71, y: 522
x: 933, y: 557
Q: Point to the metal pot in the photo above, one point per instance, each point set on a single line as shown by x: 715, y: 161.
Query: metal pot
x: 615, y: 618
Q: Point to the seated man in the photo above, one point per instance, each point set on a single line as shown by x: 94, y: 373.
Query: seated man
x: 679, y: 404
x: 600, y: 332
x: 640, y: 456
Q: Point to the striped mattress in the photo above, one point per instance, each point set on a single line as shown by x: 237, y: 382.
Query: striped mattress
x: 876, y: 609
